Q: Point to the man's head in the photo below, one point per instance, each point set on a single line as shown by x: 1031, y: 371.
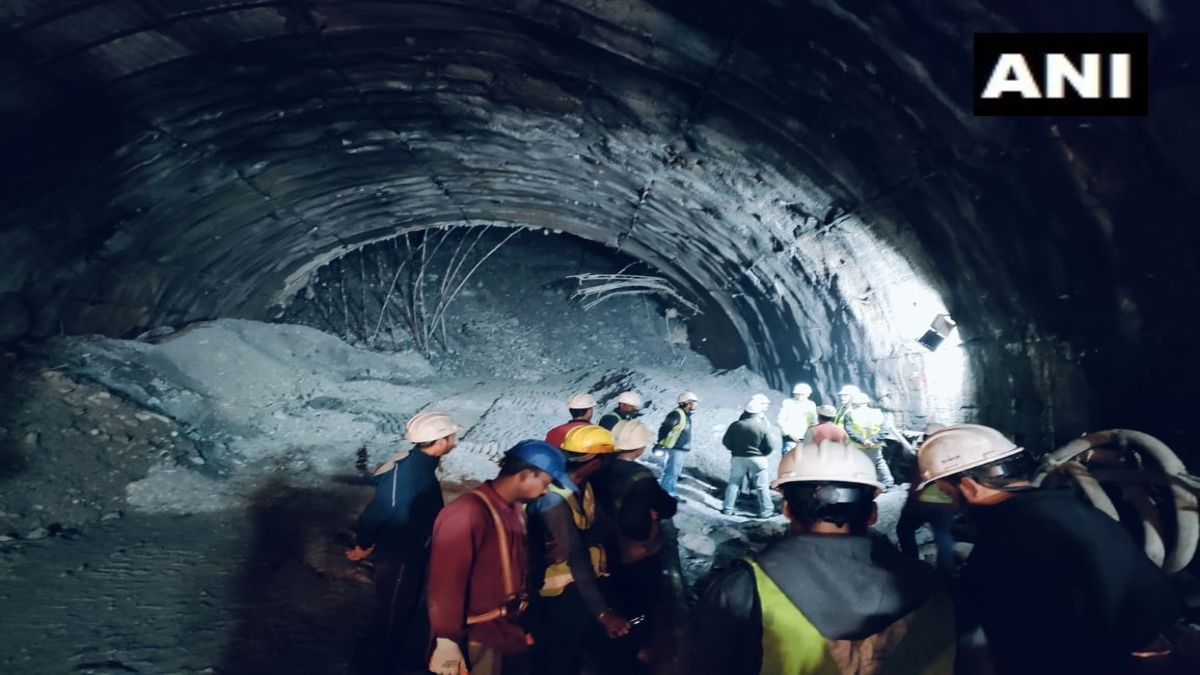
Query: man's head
x: 433, y: 433
x: 859, y: 399
x: 588, y: 448
x: 826, y: 413
x: 801, y: 391
x: 687, y: 400
x: 974, y: 464
x: 581, y: 406
x: 528, y: 468
x: 629, y: 402
x: 828, y: 488
x: 758, y: 404
x: 631, y: 438
x: 845, y: 393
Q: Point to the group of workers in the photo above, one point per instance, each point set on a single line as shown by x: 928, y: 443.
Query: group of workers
x: 555, y: 565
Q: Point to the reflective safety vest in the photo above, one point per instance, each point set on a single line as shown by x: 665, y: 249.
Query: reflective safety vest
x: 558, y: 574
x: 932, y: 494
x: 922, y: 643
x: 866, y: 422
x: 676, y: 431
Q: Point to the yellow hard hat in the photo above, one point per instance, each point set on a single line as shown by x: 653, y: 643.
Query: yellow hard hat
x: 588, y: 439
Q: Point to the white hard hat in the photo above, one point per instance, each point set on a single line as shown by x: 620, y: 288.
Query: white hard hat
x: 827, y: 411
x: 687, y: 397
x: 957, y: 448
x: 630, y: 398
x: 631, y: 435
x: 758, y: 404
x: 859, y: 398
x: 430, y: 426
x: 581, y: 401
x: 827, y: 462
x: 848, y: 390
x: 802, y: 388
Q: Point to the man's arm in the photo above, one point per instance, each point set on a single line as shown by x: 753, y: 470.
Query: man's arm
x: 771, y: 442
x: 568, y: 546
x: 671, y: 421
x: 457, y: 535
x: 727, y: 631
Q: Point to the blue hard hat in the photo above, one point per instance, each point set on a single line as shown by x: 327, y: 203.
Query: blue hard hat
x: 542, y: 455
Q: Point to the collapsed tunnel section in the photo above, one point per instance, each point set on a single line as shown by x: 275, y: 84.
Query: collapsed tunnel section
x: 808, y: 171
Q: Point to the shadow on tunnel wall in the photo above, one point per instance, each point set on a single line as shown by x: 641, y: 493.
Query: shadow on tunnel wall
x: 300, y: 603
x: 12, y: 456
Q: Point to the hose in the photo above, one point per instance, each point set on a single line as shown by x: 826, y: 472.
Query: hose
x: 1181, y: 484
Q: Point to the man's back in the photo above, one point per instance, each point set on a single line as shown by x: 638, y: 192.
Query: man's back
x: 1059, y: 587
x: 831, y: 603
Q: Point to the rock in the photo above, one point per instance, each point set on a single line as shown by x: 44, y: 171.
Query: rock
x: 31, y: 439
x: 38, y: 533
x: 698, y: 543
x: 114, y: 515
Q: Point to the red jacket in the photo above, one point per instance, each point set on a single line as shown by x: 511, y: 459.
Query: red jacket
x: 465, y: 574
x: 558, y: 434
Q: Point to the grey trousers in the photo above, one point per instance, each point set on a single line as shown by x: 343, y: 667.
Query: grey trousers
x: 754, y: 469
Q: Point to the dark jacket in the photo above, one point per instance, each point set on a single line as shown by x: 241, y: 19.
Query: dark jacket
x: 399, y: 520
x: 751, y: 436
x: 1059, y: 587
x: 630, y: 492
x: 683, y: 441
x: 849, y: 588
x: 609, y: 419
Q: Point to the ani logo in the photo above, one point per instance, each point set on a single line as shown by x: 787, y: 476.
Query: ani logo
x: 1103, y: 74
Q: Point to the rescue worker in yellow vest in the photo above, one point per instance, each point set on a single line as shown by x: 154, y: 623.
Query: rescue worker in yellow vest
x: 829, y: 598
x: 675, y: 437
x: 629, y: 491
x: 796, y: 415
x: 844, y: 394
x: 569, y: 536
x: 864, y: 426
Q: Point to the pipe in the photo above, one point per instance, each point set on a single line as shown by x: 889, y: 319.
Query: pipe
x: 1187, y: 517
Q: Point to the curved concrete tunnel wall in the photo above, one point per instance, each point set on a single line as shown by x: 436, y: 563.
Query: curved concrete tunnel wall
x: 794, y: 167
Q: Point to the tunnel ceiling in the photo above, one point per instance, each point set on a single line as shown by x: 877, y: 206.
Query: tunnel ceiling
x: 793, y: 166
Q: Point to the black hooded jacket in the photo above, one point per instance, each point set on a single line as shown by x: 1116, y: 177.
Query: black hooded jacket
x: 849, y: 587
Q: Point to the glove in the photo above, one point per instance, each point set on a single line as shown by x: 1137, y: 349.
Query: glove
x: 358, y: 553
x: 447, y: 658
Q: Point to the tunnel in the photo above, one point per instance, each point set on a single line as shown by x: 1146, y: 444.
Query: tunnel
x: 807, y: 178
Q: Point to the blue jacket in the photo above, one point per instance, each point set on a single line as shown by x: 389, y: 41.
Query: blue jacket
x: 399, y: 520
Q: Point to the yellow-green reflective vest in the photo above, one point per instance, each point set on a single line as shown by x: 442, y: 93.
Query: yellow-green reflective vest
x: 672, y: 436
x: 922, y: 643
x: 558, y: 574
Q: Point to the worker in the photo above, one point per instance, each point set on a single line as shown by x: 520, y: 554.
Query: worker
x: 864, y: 426
x: 1055, y: 584
x: 394, y: 530
x: 629, y: 405
x: 569, y: 539
x: 580, y: 406
x: 479, y: 567
x: 675, y: 439
x: 750, y: 440
x: 844, y: 395
x: 796, y: 415
x: 829, y: 598
x: 628, y: 491
x: 826, y: 429
x: 928, y: 505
